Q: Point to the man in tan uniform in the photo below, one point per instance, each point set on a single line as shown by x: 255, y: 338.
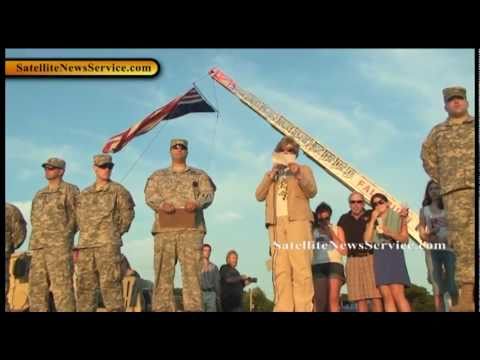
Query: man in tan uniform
x: 176, y: 189
x: 105, y: 213
x: 448, y: 155
x: 53, y: 229
x: 289, y: 220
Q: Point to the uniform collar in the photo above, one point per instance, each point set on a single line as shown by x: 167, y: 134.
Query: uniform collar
x: 60, y: 188
x: 187, y: 168
x: 93, y: 187
x: 467, y: 120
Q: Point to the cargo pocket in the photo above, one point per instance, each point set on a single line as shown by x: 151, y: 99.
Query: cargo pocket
x: 111, y: 269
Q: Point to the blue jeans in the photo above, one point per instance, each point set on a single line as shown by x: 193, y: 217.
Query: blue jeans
x: 443, y: 272
x: 209, y: 301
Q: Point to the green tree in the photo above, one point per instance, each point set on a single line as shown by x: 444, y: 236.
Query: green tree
x: 259, y: 300
x: 419, y: 298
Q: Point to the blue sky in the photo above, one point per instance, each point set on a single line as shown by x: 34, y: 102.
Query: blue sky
x: 373, y: 107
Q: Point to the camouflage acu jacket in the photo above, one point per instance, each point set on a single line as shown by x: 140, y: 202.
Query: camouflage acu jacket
x: 15, y: 228
x: 104, y: 215
x: 448, y: 155
x: 53, y: 217
x: 177, y: 188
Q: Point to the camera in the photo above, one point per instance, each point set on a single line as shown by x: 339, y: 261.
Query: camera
x: 252, y: 279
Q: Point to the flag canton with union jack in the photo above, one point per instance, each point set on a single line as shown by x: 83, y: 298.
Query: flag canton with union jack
x: 190, y: 102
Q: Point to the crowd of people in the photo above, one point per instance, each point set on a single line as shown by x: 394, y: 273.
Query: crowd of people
x: 305, y: 278
x: 376, y: 273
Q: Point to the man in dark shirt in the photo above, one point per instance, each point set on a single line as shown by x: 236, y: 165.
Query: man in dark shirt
x: 232, y: 284
x: 359, y: 267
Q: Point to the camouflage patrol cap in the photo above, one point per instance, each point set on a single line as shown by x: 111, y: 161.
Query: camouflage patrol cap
x: 183, y: 142
x: 55, y: 162
x: 102, y: 159
x: 452, y: 91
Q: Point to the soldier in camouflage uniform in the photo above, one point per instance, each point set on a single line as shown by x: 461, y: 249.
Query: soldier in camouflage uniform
x: 178, y: 186
x: 15, y: 233
x: 448, y: 157
x: 105, y: 212
x: 51, y: 241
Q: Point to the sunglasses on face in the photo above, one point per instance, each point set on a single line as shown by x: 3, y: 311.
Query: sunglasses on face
x: 106, y: 166
x: 319, y: 217
x: 289, y: 150
x: 50, y: 168
x: 179, y: 147
x: 379, y: 202
x: 356, y: 201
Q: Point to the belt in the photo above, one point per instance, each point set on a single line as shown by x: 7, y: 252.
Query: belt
x: 361, y: 254
x: 209, y: 290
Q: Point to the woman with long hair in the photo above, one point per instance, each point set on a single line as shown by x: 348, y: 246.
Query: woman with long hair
x: 440, y: 259
x: 386, y: 229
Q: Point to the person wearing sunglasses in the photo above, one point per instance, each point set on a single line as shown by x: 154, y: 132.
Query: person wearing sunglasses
x: 386, y: 230
x: 359, y: 265
x: 105, y: 212
x: 327, y: 263
x: 287, y: 191
x: 448, y: 155
x: 179, y: 191
x: 51, y: 241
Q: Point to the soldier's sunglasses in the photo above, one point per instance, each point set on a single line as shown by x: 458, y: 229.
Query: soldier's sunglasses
x: 50, y: 168
x: 179, y: 147
x: 106, y: 166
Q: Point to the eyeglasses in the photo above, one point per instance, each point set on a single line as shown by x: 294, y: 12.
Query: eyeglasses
x: 50, y: 168
x: 179, y: 147
x: 289, y: 150
x: 379, y: 202
x: 106, y: 166
x: 356, y: 201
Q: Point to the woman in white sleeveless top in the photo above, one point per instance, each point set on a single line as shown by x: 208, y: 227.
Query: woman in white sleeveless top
x: 440, y: 262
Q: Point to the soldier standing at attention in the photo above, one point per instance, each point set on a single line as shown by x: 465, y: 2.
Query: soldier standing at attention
x: 51, y: 241
x: 105, y: 212
x: 448, y: 158
x: 175, y: 190
x: 15, y: 233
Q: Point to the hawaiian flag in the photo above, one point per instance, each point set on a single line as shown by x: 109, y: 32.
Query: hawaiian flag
x: 191, y: 102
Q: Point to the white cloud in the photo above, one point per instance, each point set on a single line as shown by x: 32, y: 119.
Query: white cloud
x: 420, y: 74
x: 228, y: 216
x: 32, y: 154
x: 294, y: 107
x: 88, y: 134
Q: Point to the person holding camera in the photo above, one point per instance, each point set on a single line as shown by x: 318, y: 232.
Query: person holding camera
x: 327, y: 263
x: 232, y: 284
x: 287, y: 189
